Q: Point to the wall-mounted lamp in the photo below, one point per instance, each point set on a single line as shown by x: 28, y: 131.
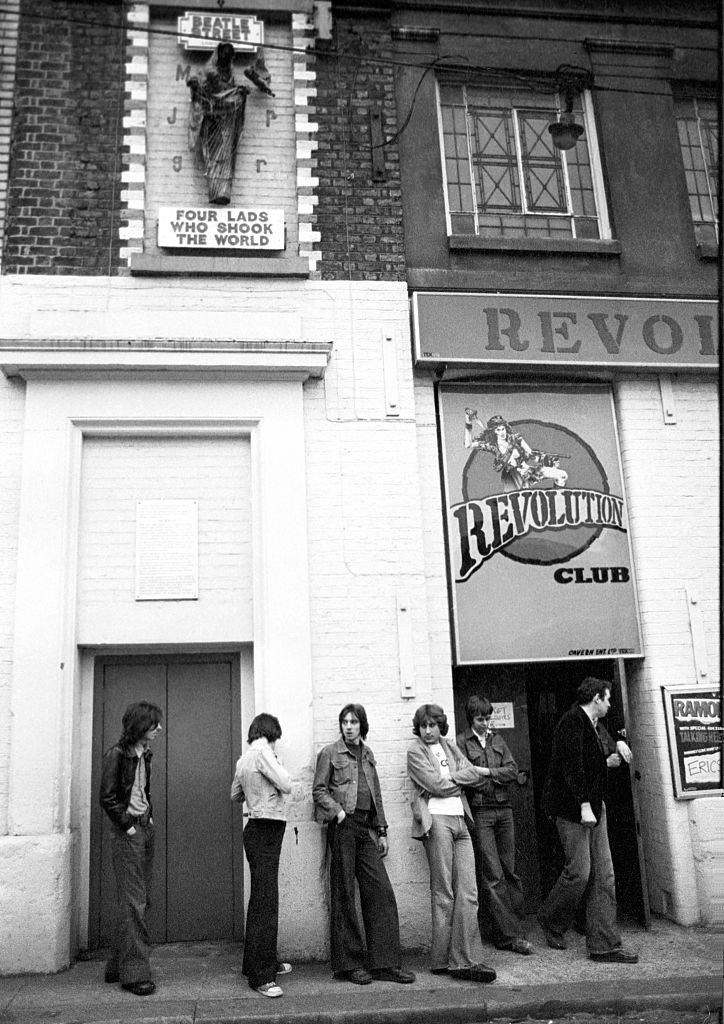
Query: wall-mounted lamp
x: 571, y: 82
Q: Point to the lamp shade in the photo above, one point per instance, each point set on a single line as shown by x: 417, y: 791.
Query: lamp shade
x: 565, y: 133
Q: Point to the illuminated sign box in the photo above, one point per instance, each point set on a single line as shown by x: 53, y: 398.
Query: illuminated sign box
x: 198, y: 31
x: 232, y: 228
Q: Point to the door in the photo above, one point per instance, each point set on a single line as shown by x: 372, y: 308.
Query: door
x: 506, y: 684
x: 551, y: 688
x: 198, y: 869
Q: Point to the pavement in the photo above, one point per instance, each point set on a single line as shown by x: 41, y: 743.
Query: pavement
x: 201, y: 983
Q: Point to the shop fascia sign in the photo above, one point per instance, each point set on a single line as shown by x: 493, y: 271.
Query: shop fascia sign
x: 238, y: 229
x: 199, y: 30
x: 474, y: 328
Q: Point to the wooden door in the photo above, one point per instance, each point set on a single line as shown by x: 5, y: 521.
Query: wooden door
x: 198, y: 869
x: 506, y: 683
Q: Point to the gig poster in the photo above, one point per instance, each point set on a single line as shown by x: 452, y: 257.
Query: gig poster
x: 694, y: 727
x: 537, y: 525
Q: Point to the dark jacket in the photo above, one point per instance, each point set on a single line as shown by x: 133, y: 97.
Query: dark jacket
x: 577, y: 771
x: 492, y: 791
x: 336, y: 779
x: 119, y: 771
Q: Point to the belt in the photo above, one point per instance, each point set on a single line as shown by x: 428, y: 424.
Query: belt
x: 140, y: 819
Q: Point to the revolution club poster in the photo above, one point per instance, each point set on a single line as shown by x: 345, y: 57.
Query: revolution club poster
x: 537, y: 526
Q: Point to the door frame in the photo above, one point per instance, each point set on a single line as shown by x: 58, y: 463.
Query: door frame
x: 87, y: 766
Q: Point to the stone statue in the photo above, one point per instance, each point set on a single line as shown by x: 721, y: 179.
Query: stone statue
x: 218, y: 105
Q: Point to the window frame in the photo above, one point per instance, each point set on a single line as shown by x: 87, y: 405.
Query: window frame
x: 695, y: 97
x: 597, y: 179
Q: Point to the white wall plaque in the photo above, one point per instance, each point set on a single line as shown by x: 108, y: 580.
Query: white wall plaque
x: 167, y: 550
x: 204, y: 31
x: 221, y: 227
x: 503, y: 716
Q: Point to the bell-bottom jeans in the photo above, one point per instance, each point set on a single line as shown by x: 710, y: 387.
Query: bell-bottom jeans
x: 262, y: 846
x: 354, y: 855
x: 453, y: 894
x: 587, y: 875
x: 501, y: 914
x: 132, y: 858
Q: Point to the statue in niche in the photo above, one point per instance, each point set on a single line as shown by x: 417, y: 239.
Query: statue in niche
x: 218, y: 105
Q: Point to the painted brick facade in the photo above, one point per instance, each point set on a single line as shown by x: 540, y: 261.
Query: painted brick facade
x: 12, y: 400
x: 118, y: 472
x: 671, y: 471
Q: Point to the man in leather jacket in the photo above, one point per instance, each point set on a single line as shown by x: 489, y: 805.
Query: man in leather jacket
x: 125, y: 796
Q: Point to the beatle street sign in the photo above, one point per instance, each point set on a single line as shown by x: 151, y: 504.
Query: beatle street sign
x: 204, y: 31
x: 221, y: 227
x: 694, y: 727
x: 470, y: 328
x: 537, y: 527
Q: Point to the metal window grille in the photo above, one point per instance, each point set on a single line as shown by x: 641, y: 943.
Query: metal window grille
x: 504, y: 177
x: 697, y: 122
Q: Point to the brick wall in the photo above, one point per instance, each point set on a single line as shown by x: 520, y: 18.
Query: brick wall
x: 12, y: 407
x: 9, y: 19
x: 671, y: 475
x: 360, y: 219
x: 66, y: 164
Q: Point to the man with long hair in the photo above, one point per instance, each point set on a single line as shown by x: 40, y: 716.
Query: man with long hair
x: 347, y: 797
x: 125, y: 796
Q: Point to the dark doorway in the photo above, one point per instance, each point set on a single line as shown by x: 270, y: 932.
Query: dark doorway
x: 551, y: 688
x: 540, y: 693
x: 198, y: 870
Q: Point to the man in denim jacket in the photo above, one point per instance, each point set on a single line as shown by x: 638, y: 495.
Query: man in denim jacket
x: 347, y: 797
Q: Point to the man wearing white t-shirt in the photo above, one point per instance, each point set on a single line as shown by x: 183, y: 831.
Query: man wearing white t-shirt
x: 438, y: 771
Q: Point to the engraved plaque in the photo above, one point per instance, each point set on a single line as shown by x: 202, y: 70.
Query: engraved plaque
x: 167, y: 550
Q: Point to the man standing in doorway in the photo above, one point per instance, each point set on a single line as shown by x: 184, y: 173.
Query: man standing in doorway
x: 574, y: 796
x: 125, y: 796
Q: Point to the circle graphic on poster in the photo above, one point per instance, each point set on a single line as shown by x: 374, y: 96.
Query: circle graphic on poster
x: 546, y: 547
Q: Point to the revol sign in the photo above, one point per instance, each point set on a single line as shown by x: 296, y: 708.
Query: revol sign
x: 563, y: 330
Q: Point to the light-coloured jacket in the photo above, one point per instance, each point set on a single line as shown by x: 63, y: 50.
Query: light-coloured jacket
x: 428, y: 780
x: 261, y: 780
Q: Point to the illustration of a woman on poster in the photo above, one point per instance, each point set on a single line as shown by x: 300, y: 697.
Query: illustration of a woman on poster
x: 519, y: 465
x: 218, y: 104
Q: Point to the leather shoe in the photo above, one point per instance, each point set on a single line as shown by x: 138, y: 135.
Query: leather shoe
x: 359, y: 976
x: 394, y: 974
x: 521, y: 946
x: 615, y: 956
x: 476, y: 972
x: 140, y: 988
x: 554, y: 939
x: 111, y: 977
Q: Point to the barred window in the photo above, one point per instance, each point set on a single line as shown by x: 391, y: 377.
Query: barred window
x: 697, y: 121
x: 503, y: 175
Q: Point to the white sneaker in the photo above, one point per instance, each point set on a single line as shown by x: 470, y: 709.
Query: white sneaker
x: 284, y: 968
x: 270, y: 989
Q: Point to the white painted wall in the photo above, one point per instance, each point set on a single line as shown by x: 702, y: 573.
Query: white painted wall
x: 346, y: 519
x: 671, y: 474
